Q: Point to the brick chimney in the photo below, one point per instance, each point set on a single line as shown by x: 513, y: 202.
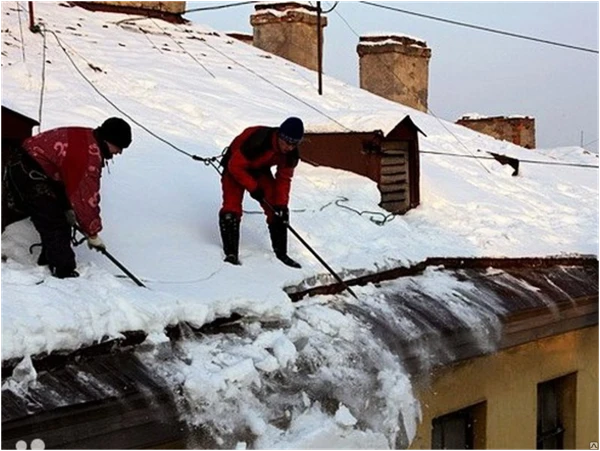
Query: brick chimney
x: 395, y: 67
x: 246, y: 38
x: 289, y: 30
x: 169, y: 11
x: 518, y: 130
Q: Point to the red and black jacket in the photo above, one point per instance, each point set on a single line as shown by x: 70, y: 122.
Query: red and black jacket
x: 256, y: 150
x: 72, y: 156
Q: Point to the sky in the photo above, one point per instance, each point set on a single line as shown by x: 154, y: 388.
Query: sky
x: 473, y: 71
x: 160, y: 210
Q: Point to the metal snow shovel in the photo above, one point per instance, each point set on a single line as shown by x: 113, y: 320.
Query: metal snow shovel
x: 114, y: 260
x: 317, y: 256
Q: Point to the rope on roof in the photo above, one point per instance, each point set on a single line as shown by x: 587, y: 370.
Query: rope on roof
x: 279, y: 87
x: 207, y: 161
x: 182, y: 48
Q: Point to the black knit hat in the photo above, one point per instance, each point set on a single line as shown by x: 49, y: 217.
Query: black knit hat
x: 291, y: 130
x: 116, y: 131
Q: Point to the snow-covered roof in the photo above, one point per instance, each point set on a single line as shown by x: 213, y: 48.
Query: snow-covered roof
x: 197, y: 89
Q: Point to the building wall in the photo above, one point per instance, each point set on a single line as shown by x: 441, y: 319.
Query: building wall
x: 520, y: 131
x: 168, y: 7
x: 291, y: 34
x: 508, y: 380
x: 396, y: 68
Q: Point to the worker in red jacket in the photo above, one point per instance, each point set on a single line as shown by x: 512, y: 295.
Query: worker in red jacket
x: 54, y: 178
x: 247, y: 167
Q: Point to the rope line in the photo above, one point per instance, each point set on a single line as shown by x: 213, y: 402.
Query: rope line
x: 43, y: 87
x: 183, y: 49
x: 279, y: 88
x: 386, y: 217
x: 21, y: 30
x: 207, y: 161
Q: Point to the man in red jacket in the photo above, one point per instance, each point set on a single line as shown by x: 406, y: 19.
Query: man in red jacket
x: 247, y: 167
x: 54, y: 178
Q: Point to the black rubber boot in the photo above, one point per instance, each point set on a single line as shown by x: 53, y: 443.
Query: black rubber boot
x: 64, y: 273
x: 229, y: 224
x: 42, y: 259
x: 278, y: 232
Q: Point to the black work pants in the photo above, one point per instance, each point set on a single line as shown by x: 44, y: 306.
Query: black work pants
x: 30, y: 193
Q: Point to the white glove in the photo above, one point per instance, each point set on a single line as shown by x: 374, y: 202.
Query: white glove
x: 94, y: 242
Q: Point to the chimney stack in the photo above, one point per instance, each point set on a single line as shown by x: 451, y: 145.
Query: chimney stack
x: 288, y: 30
x: 519, y: 130
x: 169, y: 11
x: 395, y: 67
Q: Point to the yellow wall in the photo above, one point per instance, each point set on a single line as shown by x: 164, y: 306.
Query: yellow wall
x: 508, y: 380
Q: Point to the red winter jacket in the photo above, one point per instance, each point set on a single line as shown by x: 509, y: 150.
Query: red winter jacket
x: 255, y: 150
x: 71, y: 155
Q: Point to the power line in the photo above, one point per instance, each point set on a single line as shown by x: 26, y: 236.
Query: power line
x: 312, y: 107
x: 477, y: 27
x: 391, y: 70
x: 210, y: 8
x: 481, y: 157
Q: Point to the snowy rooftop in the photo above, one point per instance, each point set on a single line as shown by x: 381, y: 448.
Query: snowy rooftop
x: 197, y: 89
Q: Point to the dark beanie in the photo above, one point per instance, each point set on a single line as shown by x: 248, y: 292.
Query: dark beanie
x: 291, y: 130
x: 116, y: 131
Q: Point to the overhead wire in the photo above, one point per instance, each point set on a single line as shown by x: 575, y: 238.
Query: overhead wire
x: 478, y: 27
x: 330, y: 9
x: 448, y: 130
x: 387, y: 66
x: 325, y: 11
x: 210, y: 8
x: 523, y: 160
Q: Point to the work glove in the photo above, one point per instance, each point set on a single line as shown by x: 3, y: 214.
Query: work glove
x: 96, y: 243
x: 71, y: 218
x: 281, y: 213
x: 258, y: 194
